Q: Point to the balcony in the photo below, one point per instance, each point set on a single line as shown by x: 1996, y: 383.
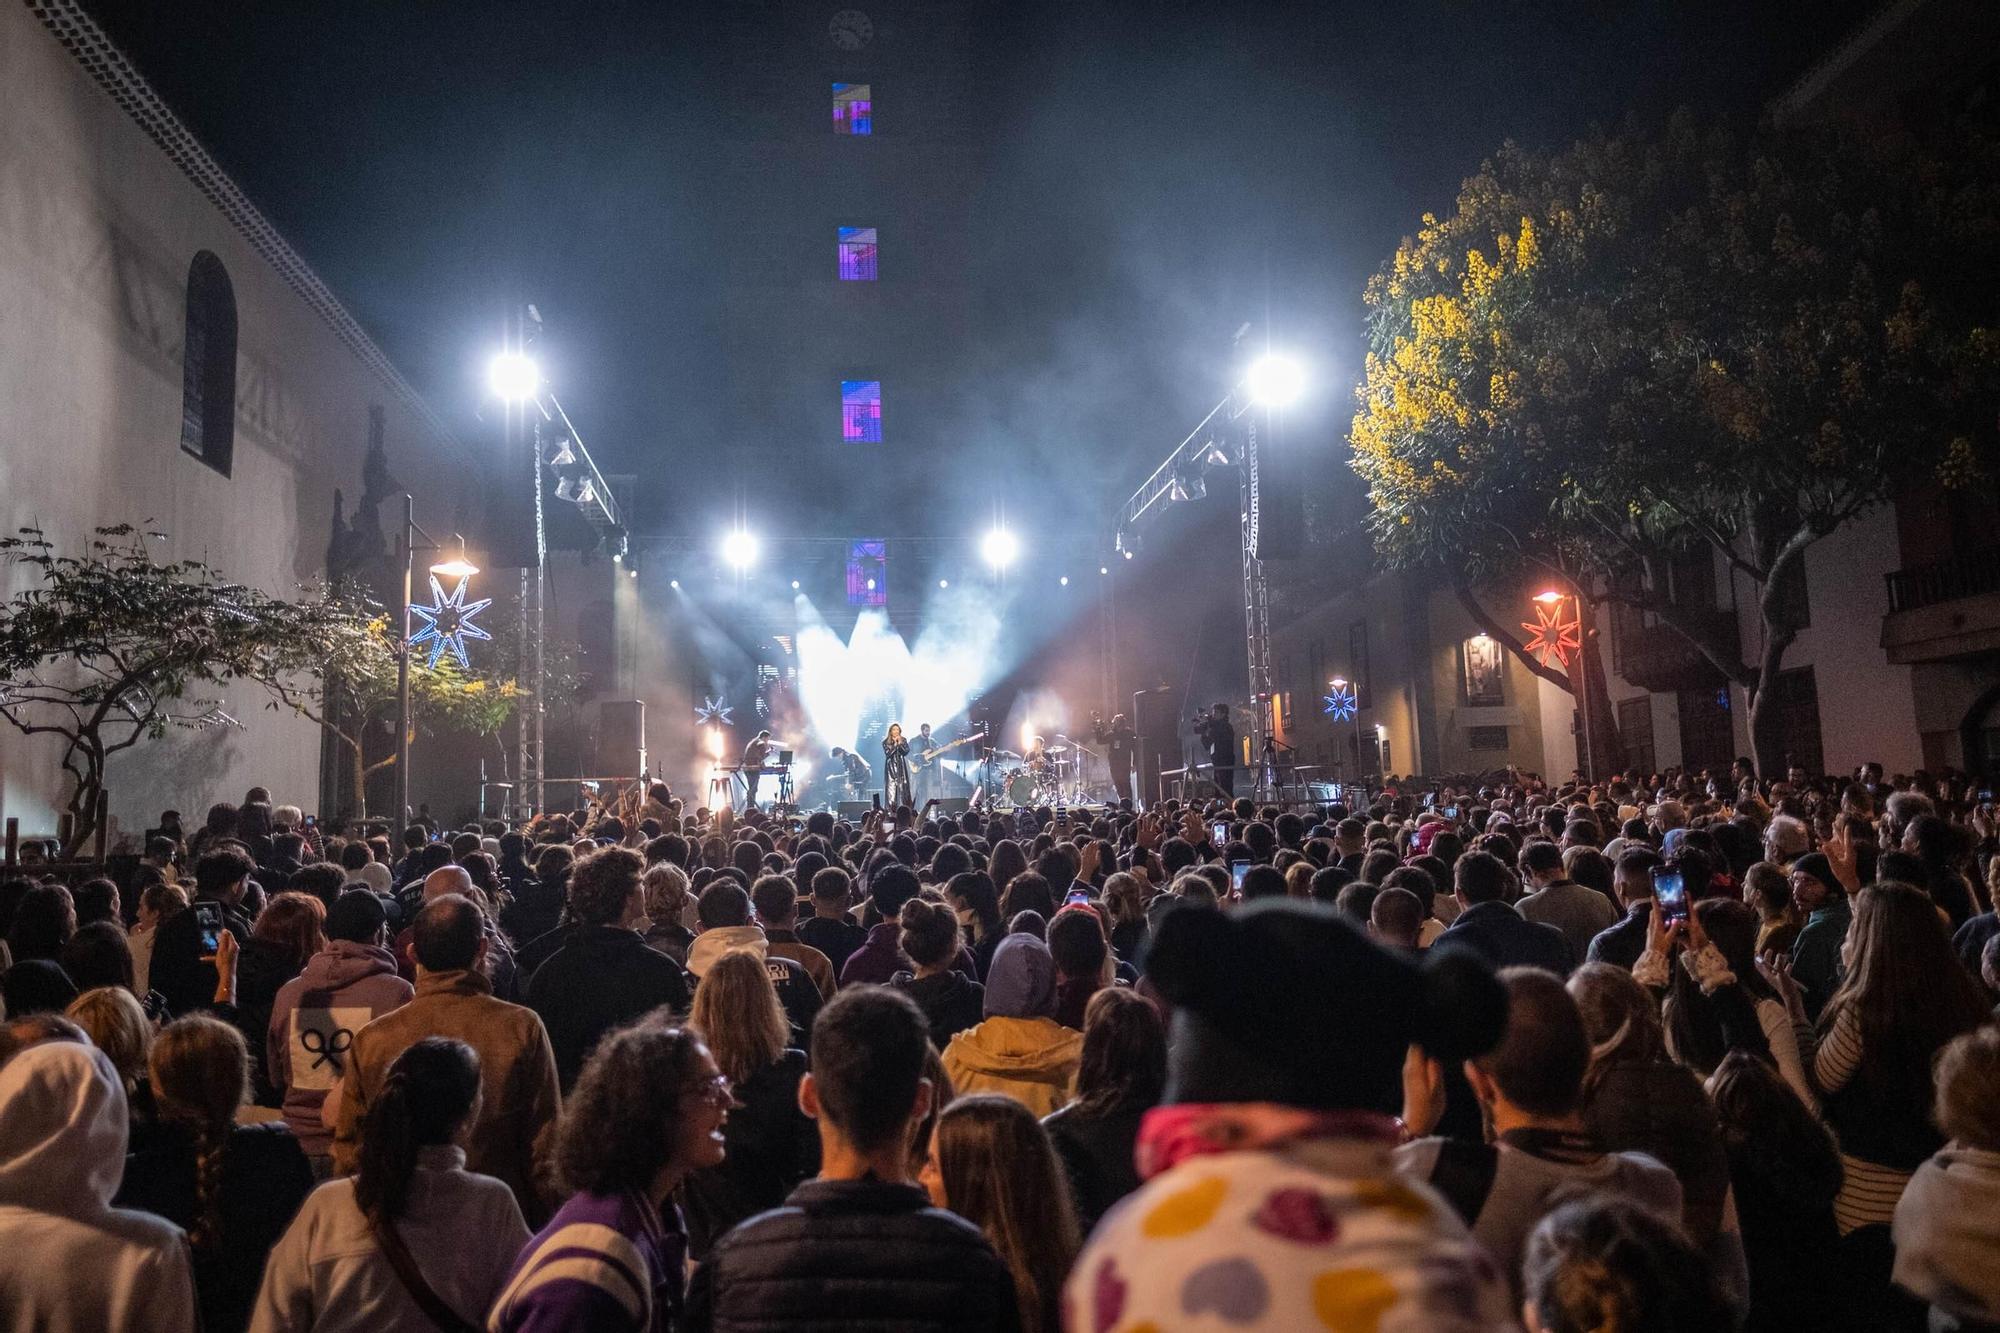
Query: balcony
x: 1659, y: 658
x: 1949, y: 608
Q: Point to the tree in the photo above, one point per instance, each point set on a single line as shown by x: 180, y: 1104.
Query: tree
x: 112, y: 648
x: 1641, y: 346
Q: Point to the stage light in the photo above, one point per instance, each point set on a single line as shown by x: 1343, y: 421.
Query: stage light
x: 633, y: 572
x: 675, y: 584
x: 1275, y: 380
x: 1104, y: 569
x: 739, y: 548
x: 1128, y: 555
x: 1064, y: 580
x: 871, y: 585
x: 795, y: 585
x: 944, y: 583
x: 1027, y: 735
x: 513, y: 377
x: 1000, y: 547
x: 617, y: 559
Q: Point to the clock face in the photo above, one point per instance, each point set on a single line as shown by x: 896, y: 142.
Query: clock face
x: 850, y: 30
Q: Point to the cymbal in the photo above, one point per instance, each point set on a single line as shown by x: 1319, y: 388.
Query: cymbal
x: 1006, y: 754
x: 1057, y: 749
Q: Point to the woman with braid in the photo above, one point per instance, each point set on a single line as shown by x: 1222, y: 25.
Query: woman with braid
x: 412, y: 1240
x: 233, y: 1188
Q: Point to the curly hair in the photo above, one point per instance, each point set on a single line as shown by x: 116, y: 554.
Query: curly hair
x: 601, y: 884
x: 201, y: 1075
x: 617, y: 1127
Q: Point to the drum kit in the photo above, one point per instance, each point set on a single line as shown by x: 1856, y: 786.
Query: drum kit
x: 1054, y: 777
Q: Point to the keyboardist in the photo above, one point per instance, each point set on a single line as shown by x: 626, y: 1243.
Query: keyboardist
x: 753, y: 764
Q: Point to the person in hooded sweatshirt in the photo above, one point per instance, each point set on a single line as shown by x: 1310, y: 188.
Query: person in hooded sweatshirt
x: 89, y: 1267
x: 344, y: 987
x: 1019, y: 1049
x: 1272, y: 1199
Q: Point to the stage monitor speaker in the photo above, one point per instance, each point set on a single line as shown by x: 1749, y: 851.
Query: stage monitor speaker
x: 621, y: 739
x: 1156, y: 717
x: 854, y: 811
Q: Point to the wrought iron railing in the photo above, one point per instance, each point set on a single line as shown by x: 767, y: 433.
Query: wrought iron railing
x: 1967, y: 574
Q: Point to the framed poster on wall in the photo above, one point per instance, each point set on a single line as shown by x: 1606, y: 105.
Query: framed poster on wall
x: 1484, y: 666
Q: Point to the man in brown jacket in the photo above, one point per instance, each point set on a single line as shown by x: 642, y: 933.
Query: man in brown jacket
x: 518, y: 1096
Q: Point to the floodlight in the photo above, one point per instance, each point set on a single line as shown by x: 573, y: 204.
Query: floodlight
x: 513, y: 377
x: 795, y: 585
x: 1275, y: 380
x: 1064, y: 580
x: 1000, y: 548
x: 739, y: 548
x: 944, y: 583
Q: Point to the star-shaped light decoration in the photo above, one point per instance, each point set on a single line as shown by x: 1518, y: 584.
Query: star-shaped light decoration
x: 448, y: 623
x: 713, y: 710
x: 1550, y: 635
x: 1341, y: 703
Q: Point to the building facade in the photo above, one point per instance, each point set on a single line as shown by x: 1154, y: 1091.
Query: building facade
x: 169, y: 361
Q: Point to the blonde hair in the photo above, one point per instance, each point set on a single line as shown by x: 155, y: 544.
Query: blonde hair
x: 666, y: 887
x: 1968, y: 1089
x: 737, y: 1013
x: 118, y: 1027
x: 201, y: 1076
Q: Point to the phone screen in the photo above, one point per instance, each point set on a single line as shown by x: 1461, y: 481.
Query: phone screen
x: 1450, y: 812
x: 1670, y: 890
x: 1237, y: 870
x: 208, y: 923
x: 1219, y: 834
x: 1076, y: 897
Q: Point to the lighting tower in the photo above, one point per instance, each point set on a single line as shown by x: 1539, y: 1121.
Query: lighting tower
x: 1226, y: 440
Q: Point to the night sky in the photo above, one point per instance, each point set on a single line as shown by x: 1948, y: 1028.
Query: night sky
x: 1162, y: 174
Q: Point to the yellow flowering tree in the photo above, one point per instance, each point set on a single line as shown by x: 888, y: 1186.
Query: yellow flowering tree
x: 1645, y: 345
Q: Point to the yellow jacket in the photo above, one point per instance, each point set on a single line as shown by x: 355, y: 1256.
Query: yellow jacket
x: 1032, y: 1060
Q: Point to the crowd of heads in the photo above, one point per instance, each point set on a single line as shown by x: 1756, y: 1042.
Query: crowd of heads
x: 1024, y: 1012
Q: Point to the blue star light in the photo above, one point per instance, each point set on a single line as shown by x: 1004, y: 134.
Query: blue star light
x: 448, y: 623
x: 1340, y: 704
x: 713, y: 710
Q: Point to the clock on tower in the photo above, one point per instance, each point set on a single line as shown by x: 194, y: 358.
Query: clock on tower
x: 850, y: 30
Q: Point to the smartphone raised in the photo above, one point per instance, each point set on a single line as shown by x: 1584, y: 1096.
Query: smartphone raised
x: 1076, y: 898
x: 1218, y: 833
x: 208, y: 926
x: 1237, y: 870
x: 1670, y: 892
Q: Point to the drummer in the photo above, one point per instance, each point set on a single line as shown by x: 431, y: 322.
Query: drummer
x: 1037, y: 757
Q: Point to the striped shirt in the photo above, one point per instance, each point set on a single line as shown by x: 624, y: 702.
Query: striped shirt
x: 604, y: 1262
x: 1868, y: 1190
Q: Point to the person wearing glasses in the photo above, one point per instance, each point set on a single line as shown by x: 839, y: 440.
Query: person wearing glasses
x: 648, y: 1111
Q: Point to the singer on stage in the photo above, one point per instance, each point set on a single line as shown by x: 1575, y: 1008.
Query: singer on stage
x: 896, y: 768
x: 1219, y: 736
x: 1119, y: 741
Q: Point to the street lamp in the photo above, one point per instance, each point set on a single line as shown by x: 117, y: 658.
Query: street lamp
x: 513, y: 377
x: 449, y: 624
x: 1345, y: 702
x: 1552, y: 637
x: 1275, y: 380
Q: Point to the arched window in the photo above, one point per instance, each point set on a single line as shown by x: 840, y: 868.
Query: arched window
x: 208, y: 365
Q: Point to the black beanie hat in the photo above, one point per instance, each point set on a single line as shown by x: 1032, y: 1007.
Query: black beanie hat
x: 1285, y: 1001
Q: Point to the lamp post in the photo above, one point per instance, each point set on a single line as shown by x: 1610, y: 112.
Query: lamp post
x: 1557, y: 643
x: 460, y: 569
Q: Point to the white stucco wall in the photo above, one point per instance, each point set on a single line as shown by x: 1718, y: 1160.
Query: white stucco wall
x: 97, y: 229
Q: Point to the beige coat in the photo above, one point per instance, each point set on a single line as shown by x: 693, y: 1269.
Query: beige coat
x: 519, y: 1096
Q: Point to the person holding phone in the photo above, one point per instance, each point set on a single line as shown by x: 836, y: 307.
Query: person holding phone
x: 183, y: 966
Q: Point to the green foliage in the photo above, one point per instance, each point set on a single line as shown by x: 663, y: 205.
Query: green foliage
x: 1642, y: 343
x: 112, y: 648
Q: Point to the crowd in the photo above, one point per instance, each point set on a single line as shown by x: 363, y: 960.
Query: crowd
x: 1692, y: 1051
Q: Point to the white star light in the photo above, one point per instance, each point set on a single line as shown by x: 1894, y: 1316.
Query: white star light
x: 448, y: 623
x: 713, y: 710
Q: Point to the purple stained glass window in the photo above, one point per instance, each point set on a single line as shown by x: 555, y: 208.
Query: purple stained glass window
x: 868, y: 572
x: 861, y: 411
x: 853, y: 109
x: 857, y: 254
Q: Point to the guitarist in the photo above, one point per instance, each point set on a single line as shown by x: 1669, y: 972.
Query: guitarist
x: 924, y: 754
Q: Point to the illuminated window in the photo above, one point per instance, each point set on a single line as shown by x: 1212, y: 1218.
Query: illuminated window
x: 853, y: 109
x: 868, y: 572
x: 861, y: 411
x: 857, y: 254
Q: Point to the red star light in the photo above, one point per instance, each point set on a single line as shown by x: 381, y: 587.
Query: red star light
x: 1552, y: 636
